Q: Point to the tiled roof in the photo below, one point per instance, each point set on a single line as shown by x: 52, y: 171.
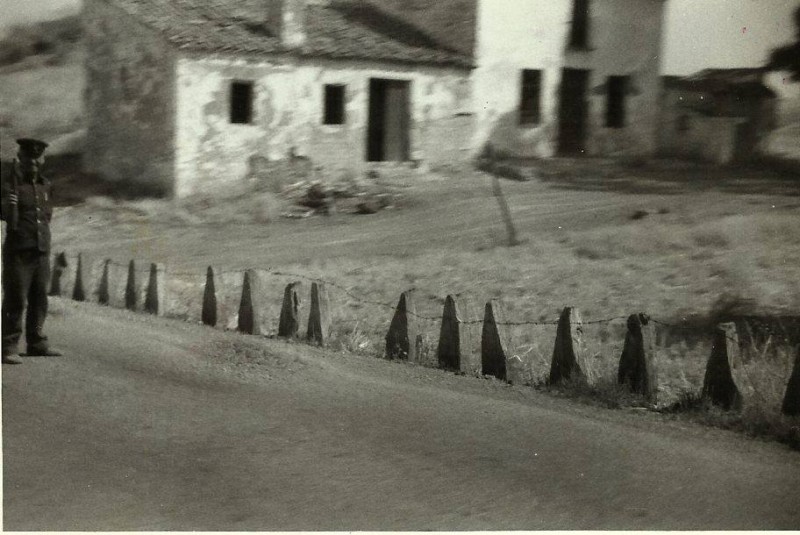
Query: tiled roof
x: 341, y: 29
x: 452, y: 22
x: 742, y: 82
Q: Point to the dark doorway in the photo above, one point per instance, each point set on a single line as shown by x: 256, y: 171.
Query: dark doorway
x: 745, y: 141
x: 572, y: 111
x: 387, y: 132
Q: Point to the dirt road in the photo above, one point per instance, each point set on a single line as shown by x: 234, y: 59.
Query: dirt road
x: 155, y: 425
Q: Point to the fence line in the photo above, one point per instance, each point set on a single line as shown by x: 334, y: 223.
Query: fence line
x: 156, y: 277
x: 388, y: 306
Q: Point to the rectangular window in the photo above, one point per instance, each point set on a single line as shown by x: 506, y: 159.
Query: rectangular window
x: 334, y: 104
x: 615, y: 101
x: 530, y: 100
x: 579, y: 33
x: 241, y: 102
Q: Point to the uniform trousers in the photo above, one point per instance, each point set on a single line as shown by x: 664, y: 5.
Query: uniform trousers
x: 26, y: 276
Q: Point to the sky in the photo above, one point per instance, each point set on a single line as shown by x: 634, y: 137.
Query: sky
x: 724, y: 33
x: 699, y: 33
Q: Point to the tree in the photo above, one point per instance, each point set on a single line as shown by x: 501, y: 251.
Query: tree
x: 787, y: 58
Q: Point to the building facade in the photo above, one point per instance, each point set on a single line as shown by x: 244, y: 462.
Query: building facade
x: 184, y: 96
x: 717, y: 115
x: 569, y: 77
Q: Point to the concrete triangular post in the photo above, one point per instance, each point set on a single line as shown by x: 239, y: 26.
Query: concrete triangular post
x: 637, y: 364
x: 719, y: 385
x: 494, y: 341
x: 250, y: 307
x: 57, y: 273
x: 457, y: 337
x: 569, y: 359
x: 319, y: 320
x: 448, y: 352
x: 401, y: 340
x: 78, y: 291
x: 209, y: 314
x: 289, y: 323
x: 154, y: 301
x: 131, y: 294
x: 103, y: 290
x: 791, y: 400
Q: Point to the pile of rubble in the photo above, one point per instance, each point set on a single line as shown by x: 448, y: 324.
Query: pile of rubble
x: 309, y: 197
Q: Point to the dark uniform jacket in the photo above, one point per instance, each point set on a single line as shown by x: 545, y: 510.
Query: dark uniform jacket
x: 35, y: 209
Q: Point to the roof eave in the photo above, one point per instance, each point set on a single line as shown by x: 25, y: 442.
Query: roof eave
x: 194, y: 49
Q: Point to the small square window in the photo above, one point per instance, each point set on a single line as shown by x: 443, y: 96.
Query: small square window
x: 334, y: 104
x: 615, y: 101
x: 241, y: 102
x: 530, y: 100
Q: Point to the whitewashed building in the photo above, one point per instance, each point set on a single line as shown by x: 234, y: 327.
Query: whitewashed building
x: 568, y: 77
x: 184, y: 95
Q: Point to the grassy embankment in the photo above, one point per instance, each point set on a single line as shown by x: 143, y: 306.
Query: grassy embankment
x: 696, y: 256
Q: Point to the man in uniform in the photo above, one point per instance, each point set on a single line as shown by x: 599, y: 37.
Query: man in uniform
x: 26, y: 208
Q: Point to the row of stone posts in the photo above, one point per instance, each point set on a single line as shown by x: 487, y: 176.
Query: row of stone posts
x: 136, y: 295
x: 637, y: 369
x: 251, y: 308
x: 722, y: 384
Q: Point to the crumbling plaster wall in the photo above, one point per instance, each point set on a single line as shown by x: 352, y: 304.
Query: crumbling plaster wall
x: 129, y: 99
x: 288, y: 109
x: 624, y: 39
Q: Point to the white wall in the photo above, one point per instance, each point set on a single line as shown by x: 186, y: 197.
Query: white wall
x: 515, y: 35
x: 288, y: 113
x: 625, y: 39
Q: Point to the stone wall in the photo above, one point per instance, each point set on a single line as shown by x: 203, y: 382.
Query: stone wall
x: 288, y: 109
x: 129, y: 99
x: 624, y: 40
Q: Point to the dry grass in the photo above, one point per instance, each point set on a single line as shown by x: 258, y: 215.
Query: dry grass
x: 762, y: 378
x: 678, y: 268
x: 633, y: 274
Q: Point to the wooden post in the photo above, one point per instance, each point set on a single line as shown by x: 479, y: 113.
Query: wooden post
x: 569, y: 359
x: 791, y: 401
x: 494, y: 341
x: 505, y: 212
x: 209, y: 313
x: 319, y: 320
x: 154, y: 302
x: 401, y: 340
x: 637, y: 365
x: 289, y: 323
x: 719, y: 386
x: 250, y: 307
